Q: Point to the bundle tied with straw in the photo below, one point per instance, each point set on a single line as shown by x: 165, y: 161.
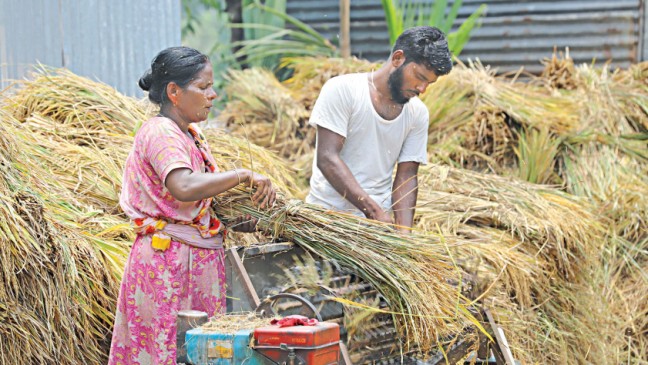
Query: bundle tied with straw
x: 413, y: 272
x: 558, y: 227
x: 310, y: 73
x: 56, y: 290
x: 87, y: 112
x: 264, y: 111
x: 476, y: 117
x: 559, y: 71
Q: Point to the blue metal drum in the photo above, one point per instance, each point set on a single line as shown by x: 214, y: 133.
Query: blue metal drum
x: 210, y: 348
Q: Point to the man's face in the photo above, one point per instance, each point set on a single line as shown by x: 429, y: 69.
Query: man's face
x: 409, y: 80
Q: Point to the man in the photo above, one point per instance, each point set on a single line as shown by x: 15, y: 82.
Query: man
x: 367, y: 123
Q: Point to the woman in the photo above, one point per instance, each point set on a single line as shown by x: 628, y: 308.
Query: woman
x: 177, y: 260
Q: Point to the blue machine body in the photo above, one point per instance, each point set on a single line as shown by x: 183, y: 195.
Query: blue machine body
x: 210, y: 348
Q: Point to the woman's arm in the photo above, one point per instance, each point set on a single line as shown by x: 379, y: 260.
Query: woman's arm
x: 186, y: 185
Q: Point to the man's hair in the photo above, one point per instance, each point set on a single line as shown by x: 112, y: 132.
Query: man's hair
x: 427, y: 46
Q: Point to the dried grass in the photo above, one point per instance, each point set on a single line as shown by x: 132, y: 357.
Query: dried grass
x: 229, y: 324
x: 57, y: 290
x: 264, y: 111
x: 411, y: 272
x: 310, y: 74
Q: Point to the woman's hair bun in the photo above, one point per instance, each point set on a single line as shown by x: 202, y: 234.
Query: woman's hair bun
x: 146, y: 80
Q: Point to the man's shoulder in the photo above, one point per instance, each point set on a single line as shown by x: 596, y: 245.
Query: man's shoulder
x: 418, y: 109
x: 417, y: 104
x: 346, y: 79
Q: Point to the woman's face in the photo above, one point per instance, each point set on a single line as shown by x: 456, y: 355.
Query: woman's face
x: 195, y: 100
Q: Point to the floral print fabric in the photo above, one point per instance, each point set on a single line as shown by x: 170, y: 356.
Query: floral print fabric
x: 158, y: 284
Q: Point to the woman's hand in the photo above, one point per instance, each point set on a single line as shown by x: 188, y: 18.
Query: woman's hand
x: 265, y: 193
x: 244, y: 224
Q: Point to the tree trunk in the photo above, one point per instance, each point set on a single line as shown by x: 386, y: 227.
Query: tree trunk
x: 235, y: 11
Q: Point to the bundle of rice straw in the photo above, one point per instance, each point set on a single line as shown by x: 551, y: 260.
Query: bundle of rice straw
x: 411, y: 272
x: 231, y: 152
x: 476, y: 117
x: 559, y: 71
x: 616, y: 184
x: 87, y: 112
x: 57, y: 291
x: 264, y: 111
x: 310, y: 74
x: 559, y: 228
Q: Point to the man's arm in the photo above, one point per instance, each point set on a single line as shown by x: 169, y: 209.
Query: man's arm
x: 404, y: 194
x: 329, y: 145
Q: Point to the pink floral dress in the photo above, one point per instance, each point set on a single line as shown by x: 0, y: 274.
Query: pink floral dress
x: 157, y: 284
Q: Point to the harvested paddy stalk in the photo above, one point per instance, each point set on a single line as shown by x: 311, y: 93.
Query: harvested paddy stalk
x: 57, y: 291
x: 266, y: 112
x: 559, y: 228
x: 616, y: 184
x: 411, y: 272
x: 479, y: 127
x: 310, y: 74
x: 559, y: 71
x: 87, y: 112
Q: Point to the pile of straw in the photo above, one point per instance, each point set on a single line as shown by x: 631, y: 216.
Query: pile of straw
x: 264, y: 111
x: 229, y: 324
x: 57, y: 288
x: 530, y: 247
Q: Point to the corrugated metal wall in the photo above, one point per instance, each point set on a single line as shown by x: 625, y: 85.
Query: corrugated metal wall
x: 111, y: 41
x: 513, y: 34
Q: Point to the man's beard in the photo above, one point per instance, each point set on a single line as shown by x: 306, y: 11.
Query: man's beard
x: 395, y: 84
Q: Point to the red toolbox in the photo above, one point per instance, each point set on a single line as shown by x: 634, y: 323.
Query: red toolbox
x: 312, y: 345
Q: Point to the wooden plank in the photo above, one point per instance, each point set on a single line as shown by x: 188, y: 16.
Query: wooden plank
x: 344, y: 354
x: 257, y: 250
x: 239, y: 269
x: 501, y: 351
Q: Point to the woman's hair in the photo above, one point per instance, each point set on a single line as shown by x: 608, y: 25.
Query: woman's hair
x: 174, y: 64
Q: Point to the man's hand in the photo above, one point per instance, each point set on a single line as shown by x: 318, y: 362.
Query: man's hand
x: 381, y: 216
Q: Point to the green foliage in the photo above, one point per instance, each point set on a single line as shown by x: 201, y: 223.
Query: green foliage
x: 267, y: 38
x: 259, y: 24
x: 192, y: 11
x: 404, y: 14
x: 269, y: 34
x: 208, y: 31
x: 536, y: 152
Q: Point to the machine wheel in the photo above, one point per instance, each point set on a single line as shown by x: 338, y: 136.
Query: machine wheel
x: 287, y: 304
